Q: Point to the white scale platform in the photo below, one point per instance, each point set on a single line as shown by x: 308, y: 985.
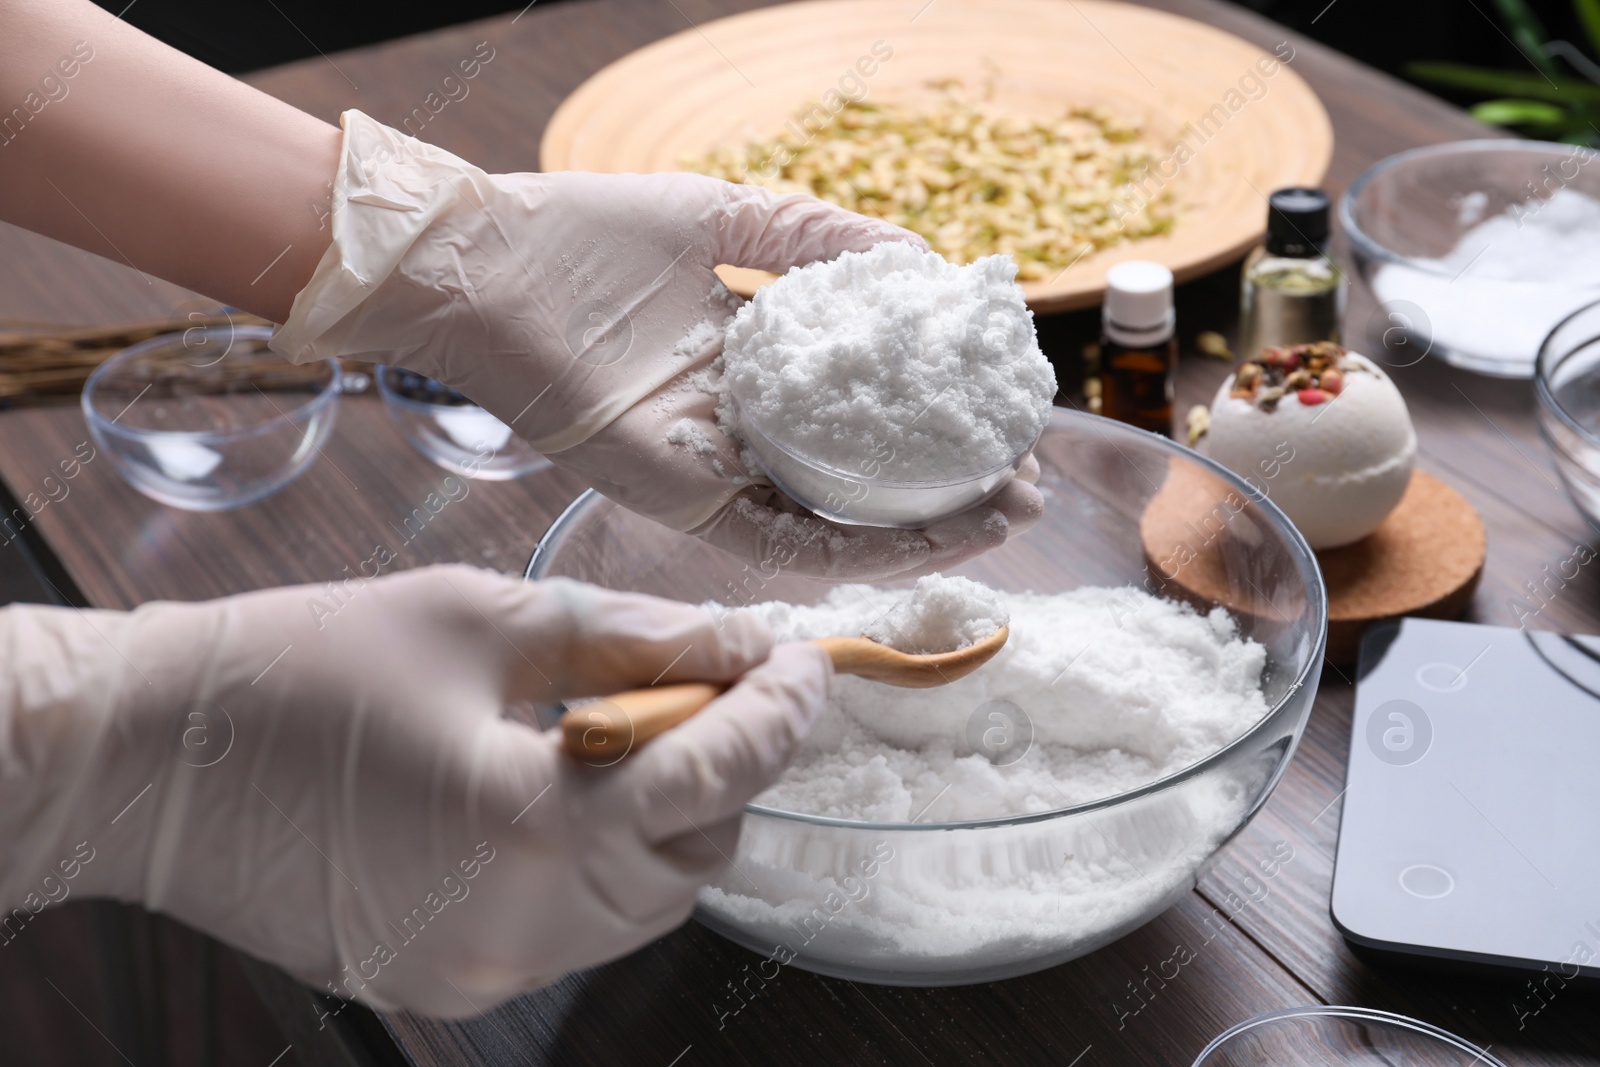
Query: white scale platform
x: 1471, y: 822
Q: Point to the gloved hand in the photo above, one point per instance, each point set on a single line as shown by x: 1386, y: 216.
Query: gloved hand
x: 328, y: 781
x: 583, y: 311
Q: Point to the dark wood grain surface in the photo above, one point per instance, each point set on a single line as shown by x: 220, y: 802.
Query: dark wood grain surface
x: 661, y: 1005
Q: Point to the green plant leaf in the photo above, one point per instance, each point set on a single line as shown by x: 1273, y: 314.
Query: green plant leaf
x: 1588, y: 12
x: 1526, y: 31
x: 1521, y: 113
x: 1521, y: 18
x: 1579, y: 125
x: 1522, y: 84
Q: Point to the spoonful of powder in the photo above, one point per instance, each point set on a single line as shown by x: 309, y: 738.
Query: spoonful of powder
x: 942, y: 614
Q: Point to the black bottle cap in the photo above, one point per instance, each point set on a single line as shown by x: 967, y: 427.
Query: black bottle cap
x: 1297, y: 222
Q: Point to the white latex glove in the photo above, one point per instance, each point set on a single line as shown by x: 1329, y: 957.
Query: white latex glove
x: 334, y: 788
x: 578, y: 308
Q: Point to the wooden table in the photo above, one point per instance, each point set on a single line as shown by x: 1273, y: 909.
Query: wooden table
x: 657, y: 1006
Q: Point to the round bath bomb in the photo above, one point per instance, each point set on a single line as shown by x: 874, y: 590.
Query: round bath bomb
x: 1322, y: 432
x: 927, y: 369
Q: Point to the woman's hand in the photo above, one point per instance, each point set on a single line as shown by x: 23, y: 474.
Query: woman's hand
x: 579, y: 308
x: 583, y: 311
x: 325, y: 776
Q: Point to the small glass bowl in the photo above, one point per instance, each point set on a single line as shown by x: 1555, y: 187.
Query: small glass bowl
x: 867, y: 496
x: 1324, y: 1036
x: 1412, y: 208
x: 1567, y: 383
x: 210, y: 418
x: 452, y: 431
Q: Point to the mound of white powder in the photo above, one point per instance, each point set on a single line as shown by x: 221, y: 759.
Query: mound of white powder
x: 1115, y: 688
x: 940, y: 615
x: 929, y: 369
x: 1119, y: 688
x: 1507, y: 283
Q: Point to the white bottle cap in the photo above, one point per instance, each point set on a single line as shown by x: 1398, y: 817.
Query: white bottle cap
x: 1138, y: 306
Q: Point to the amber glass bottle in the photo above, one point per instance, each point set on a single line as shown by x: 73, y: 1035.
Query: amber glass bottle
x: 1138, y: 350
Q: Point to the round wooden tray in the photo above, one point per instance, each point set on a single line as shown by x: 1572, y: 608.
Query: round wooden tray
x: 740, y: 78
x: 1424, y: 560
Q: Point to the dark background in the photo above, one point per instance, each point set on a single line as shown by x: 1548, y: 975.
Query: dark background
x: 1388, y: 34
x: 242, y: 35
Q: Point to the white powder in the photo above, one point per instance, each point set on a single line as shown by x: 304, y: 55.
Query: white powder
x: 698, y: 340
x: 1507, y: 283
x: 940, y: 615
x: 827, y: 547
x: 686, y: 434
x: 1120, y: 688
x: 894, y: 355
x: 1117, y: 688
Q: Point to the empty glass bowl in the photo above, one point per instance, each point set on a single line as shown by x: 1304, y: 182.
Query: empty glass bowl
x: 210, y: 418
x: 1334, y: 1036
x: 1567, y: 383
x: 452, y: 431
x: 895, y: 902
x: 1478, y: 299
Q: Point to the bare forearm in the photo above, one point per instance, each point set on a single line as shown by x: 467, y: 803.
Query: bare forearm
x: 115, y: 143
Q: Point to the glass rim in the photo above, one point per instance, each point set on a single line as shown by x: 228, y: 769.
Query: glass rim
x: 390, y: 396
x: 1366, y: 245
x: 1544, y: 366
x: 100, y: 423
x: 1341, y: 1011
x: 1305, y: 562
x: 880, y: 483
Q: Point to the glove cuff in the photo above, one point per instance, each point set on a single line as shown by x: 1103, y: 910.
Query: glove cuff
x: 386, y: 192
x: 429, y: 269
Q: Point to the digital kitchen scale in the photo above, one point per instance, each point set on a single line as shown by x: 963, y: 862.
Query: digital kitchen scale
x: 1470, y: 832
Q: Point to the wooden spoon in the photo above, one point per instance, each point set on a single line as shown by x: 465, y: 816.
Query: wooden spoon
x: 609, y: 729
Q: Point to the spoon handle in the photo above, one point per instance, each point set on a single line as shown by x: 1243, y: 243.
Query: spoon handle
x: 604, y: 732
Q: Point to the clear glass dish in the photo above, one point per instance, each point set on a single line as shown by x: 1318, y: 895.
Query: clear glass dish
x: 452, y: 431
x: 868, y: 495
x: 1489, y: 314
x: 1335, y: 1036
x: 210, y: 418
x: 1112, y: 864
x: 1567, y: 383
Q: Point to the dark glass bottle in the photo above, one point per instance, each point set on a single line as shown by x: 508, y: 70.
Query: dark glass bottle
x: 1139, y: 349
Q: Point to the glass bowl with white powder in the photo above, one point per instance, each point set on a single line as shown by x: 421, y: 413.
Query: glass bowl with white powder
x: 1058, y: 797
x: 1475, y: 250
x: 887, y: 387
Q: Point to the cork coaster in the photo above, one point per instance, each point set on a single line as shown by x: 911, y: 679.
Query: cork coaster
x: 1424, y: 560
